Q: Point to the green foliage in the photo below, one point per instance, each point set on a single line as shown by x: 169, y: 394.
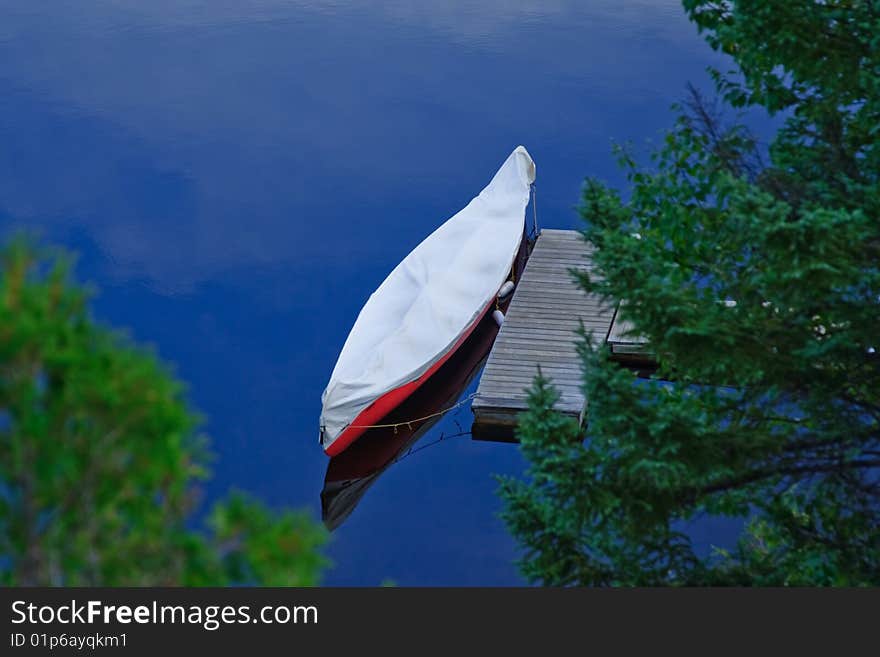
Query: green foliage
x: 100, y: 456
x: 259, y: 546
x: 757, y: 286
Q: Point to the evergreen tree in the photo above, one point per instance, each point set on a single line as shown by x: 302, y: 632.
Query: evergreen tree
x: 100, y: 455
x: 755, y: 277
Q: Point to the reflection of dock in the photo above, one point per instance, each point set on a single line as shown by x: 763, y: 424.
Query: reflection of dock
x: 539, y: 330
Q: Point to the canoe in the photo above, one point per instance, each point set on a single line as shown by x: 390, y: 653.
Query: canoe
x: 350, y: 474
x: 426, y: 307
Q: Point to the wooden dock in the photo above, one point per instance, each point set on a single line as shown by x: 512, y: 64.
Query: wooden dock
x: 627, y: 348
x: 540, y: 330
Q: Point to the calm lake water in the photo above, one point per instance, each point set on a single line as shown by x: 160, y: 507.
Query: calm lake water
x: 239, y: 177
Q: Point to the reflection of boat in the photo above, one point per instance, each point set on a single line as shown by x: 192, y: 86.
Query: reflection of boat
x: 427, y: 307
x: 354, y: 470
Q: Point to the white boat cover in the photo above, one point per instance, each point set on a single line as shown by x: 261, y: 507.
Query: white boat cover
x: 424, y: 306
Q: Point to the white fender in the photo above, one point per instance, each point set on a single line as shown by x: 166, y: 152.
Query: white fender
x: 498, y: 316
x: 506, y: 289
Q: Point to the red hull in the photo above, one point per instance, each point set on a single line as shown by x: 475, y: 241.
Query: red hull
x: 350, y: 474
x: 374, y: 413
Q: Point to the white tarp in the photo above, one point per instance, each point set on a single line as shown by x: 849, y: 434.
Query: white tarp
x: 431, y: 298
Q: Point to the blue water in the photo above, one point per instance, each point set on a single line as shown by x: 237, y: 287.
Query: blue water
x: 238, y: 177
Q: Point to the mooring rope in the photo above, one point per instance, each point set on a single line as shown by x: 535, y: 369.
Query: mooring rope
x: 409, y: 423
x: 535, y: 207
x: 443, y: 438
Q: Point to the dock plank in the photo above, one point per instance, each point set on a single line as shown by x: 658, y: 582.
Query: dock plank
x: 627, y: 345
